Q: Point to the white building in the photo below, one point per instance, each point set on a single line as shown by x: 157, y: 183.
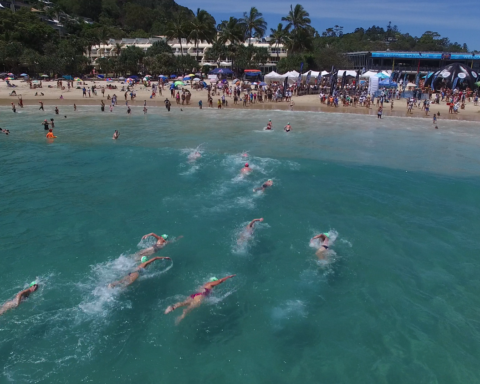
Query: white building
x: 110, y: 49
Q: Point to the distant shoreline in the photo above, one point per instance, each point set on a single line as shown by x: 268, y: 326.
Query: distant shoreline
x: 308, y: 103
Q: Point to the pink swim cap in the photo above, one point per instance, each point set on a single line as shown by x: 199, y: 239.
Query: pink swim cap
x: 246, y: 164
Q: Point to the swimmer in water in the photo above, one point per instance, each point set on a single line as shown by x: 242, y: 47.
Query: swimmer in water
x: 161, y: 242
x: 246, y: 169
x: 288, y: 127
x: 194, y: 156
x: 324, y: 237
x: 248, y: 232
x: 20, y: 296
x: 115, y: 135
x: 265, y: 185
x: 269, y: 125
x: 50, y: 134
x: 196, y: 299
x: 132, y: 276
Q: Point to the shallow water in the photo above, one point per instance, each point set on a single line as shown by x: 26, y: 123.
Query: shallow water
x: 397, y: 300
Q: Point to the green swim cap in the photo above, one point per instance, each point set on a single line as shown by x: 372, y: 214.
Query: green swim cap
x: 33, y: 283
x: 165, y: 237
x: 270, y: 120
x: 144, y: 259
x: 288, y: 123
x: 269, y: 180
x: 212, y: 279
x: 326, y: 234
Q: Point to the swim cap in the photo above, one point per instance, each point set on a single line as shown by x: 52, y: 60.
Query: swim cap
x: 246, y: 164
x: 326, y: 234
x: 33, y: 283
x: 269, y: 119
x: 288, y: 123
x: 269, y: 180
x: 212, y: 279
x: 144, y: 259
x: 165, y: 237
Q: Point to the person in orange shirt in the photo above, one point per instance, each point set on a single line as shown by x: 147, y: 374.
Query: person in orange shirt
x: 50, y: 134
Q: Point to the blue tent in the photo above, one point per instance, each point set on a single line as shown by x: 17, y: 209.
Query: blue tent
x: 163, y: 77
x: 133, y: 77
x: 382, y: 76
x: 387, y: 83
x: 173, y: 76
x: 223, y: 71
x: 68, y: 77
x: 101, y: 76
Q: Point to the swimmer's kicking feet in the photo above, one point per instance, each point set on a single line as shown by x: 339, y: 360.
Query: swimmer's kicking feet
x: 196, y: 299
x: 324, y: 237
x: 20, y: 296
x: 265, y: 185
x: 132, y: 276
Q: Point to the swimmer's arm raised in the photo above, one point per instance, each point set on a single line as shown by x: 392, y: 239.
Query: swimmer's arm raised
x: 20, y: 295
x: 250, y: 225
x: 219, y: 281
x: 154, y: 259
x: 151, y: 234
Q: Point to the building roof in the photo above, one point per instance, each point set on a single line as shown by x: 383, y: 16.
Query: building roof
x: 420, y: 55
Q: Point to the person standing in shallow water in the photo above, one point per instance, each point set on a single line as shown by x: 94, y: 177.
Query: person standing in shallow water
x: 194, y: 300
x: 19, y: 297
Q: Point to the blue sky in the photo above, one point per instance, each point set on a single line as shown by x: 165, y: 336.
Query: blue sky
x: 456, y: 20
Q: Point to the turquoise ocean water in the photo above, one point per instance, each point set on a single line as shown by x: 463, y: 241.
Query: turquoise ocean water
x: 397, y: 302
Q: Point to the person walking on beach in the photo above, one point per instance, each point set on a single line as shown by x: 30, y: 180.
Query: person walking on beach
x: 196, y: 299
x: 132, y: 276
x: 19, y: 297
x: 324, y: 238
x: 264, y: 186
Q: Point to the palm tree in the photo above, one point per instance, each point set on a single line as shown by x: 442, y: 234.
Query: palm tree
x: 298, y: 19
x: 278, y: 36
x: 118, y: 49
x: 202, y: 27
x: 231, y: 31
x: 177, y: 29
x: 253, y: 21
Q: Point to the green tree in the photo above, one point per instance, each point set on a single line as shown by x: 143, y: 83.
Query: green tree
x: 231, y: 31
x: 177, y: 29
x: 298, y: 21
x: 253, y: 21
x: 202, y: 28
x: 159, y: 47
x: 278, y: 36
x: 130, y: 59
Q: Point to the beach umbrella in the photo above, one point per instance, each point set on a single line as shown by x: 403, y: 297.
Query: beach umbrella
x: 109, y: 79
x: 11, y: 74
x: 10, y: 78
x: 121, y: 78
x: 262, y: 84
x: 45, y: 76
x: 179, y: 83
x: 187, y: 78
x: 78, y: 79
x: 477, y: 83
x: 255, y: 83
x: 191, y: 75
x: 196, y: 79
x: 173, y: 76
x: 23, y: 74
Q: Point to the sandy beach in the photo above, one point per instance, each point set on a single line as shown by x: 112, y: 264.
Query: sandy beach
x: 52, y: 98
